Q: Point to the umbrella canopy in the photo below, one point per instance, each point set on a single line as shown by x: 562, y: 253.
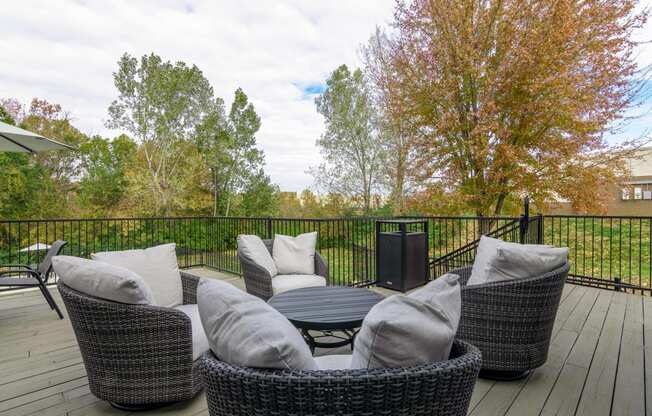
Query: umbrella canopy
x: 36, y: 247
x: 14, y: 139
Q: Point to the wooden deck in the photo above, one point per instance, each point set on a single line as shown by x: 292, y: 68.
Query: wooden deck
x: 599, y: 362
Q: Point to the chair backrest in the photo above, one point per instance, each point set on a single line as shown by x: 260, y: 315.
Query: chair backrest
x: 269, y: 244
x: 45, y: 266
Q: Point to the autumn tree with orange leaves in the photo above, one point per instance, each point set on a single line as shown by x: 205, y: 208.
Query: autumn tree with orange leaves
x: 502, y: 98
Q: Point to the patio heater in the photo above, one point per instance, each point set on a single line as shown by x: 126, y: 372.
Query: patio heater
x: 401, y: 254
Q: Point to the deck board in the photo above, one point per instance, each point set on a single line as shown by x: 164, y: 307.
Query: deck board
x: 629, y: 393
x: 599, y: 362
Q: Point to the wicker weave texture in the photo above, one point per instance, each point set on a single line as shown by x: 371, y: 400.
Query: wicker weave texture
x: 511, y: 321
x: 259, y: 282
x: 135, y: 354
x: 442, y: 388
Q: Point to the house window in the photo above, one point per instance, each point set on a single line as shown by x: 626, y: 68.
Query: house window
x: 625, y: 194
x: 638, y: 193
x: 647, y: 194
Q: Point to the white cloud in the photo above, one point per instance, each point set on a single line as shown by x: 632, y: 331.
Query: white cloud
x: 66, y: 51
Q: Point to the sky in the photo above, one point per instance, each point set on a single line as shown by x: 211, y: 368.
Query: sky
x: 279, y: 51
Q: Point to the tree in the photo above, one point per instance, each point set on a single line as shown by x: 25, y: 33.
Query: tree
x: 160, y: 104
x: 351, y: 145
x: 24, y: 186
x: 310, y: 206
x: 50, y: 120
x: 289, y: 205
x: 104, y: 164
x: 502, y: 98
x: 260, y: 197
x: 399, y: 152
x: 229, y: 148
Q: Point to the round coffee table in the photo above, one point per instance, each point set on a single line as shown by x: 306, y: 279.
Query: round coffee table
x: 334, y: 311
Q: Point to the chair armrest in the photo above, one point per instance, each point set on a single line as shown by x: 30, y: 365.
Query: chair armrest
x: 189, y: 282
x: 24, y: 271
x: 464, y: 273
x: 321, y: 267
x: 257, y: 279
x: 14, y: 266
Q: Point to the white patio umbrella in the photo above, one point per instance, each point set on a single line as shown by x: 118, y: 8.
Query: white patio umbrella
x: 36, y: 247
x: 14, y: 139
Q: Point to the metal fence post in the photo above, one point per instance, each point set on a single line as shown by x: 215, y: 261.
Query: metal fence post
x: 269, y: 228
x: 540, y: 236
x: 525, y: 220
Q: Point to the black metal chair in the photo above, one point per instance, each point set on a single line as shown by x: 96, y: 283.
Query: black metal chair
x: 22, y: 275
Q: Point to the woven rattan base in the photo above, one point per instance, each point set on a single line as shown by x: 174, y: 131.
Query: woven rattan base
x: 138, y: 408
x: 503, y: 375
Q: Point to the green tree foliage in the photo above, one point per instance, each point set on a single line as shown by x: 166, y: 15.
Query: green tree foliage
x: 62, y: 166
x: 351, y: 145
x: 22, y: 183
x: 160, y: 104
x: 228, y: 145
x: 104, y: 167
x: 5, y: 117
x: 259, y: 198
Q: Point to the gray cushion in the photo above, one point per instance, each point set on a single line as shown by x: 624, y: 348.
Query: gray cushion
x: 334, y: 362
x: 404, y: 331
x: 102, y: 280
x: 498, y: 260
x: 284, y: 282
x: 254, y: 249
x: 295, y: 255
x: 199, y: 340
x: 156, y: 265
x: 245, y: 331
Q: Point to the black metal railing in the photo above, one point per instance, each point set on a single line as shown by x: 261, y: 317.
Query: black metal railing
x: 604, y: 251
x: 610, y: 252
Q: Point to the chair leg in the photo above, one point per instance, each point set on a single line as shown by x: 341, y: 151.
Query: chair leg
x: 51, y: 301
x: 44, y: 292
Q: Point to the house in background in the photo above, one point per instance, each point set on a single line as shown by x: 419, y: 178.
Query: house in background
x: 632, y: 197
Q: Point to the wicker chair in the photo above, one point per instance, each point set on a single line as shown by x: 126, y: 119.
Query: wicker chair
x: 442, y: 388
x: 259, y: 282
x: 510, y: 321
x: 136, y: 356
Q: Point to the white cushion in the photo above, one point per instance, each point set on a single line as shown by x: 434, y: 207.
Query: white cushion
x: 334, y: 362
x: 405, y: 331
x: 199, y: 340
x: 102, y: 280
x: 284, y: 282
x: 295, y: 255
x: 498, y: 260
x: 156, y: 265
x: 254, y: 249
x: 245, y: 331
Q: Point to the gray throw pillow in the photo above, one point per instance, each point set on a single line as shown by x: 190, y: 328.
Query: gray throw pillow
x: 295, y: 255
x: 498, y: 260
x: 156, y: 265
x: 102, y: 280
x: 405, y: 331
x: 245, y: 331
x: 254, y: 250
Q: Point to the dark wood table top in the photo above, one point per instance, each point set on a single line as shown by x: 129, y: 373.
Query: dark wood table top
x: 326, y: 307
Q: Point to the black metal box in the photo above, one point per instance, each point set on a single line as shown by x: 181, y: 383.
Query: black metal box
x: 401, y: 254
